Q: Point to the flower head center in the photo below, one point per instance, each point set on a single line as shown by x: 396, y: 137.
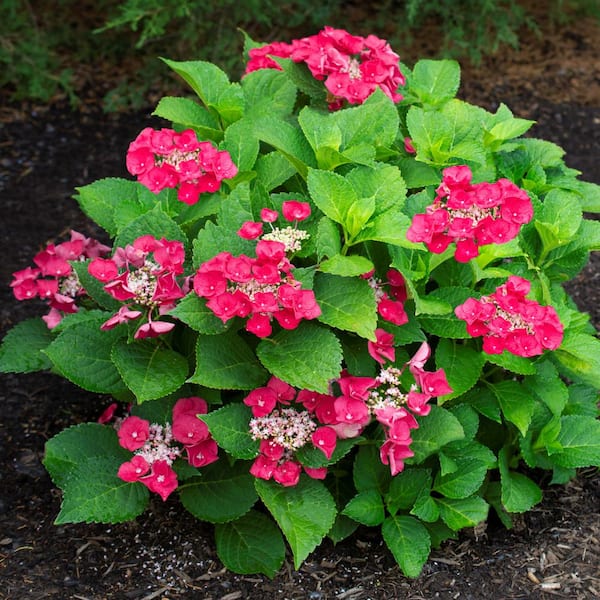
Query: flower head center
x: 142, y: 283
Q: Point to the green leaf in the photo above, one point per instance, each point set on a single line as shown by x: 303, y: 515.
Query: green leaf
x: 192, y: 215
x: 503, y: 126
x: 548, y: 386
x: 440, y: 532
x: 268, y: 92
x: 518, y: 492
x: 22, y: 346
x: 82, y: 354
x: 444, y: 323
x: 484, y: 401
x: 511, y: 362
x: 309, y: 356
x: 149, y: 371
x: 328, y: 238
x: 226, y: 362
x: 366, y: 508
x: 222, y: 493
x: 212, y: 86
x: 67, y: 449
x: 463, y: 512
x: 510, y: 128
x: 304, y: 512
x: 583, y: 400
x: 346, y: 303
x: 101, y: 200
x: 426, y: 509
x: 374, y: 122
x: 342, y: 528
x: 333, y: 194
x: 94, y: 494
x: 409, y: 542
x: 560, y: 218
x: 351, y: 134
x: 417, y: 174
x: 447, y: 136
x: 314, y: 458
x: 229, y: 427
x: 463, y: 482
x: 516, y: 403
x: 383, y: 184
x: 406, y: 487
x: 579, y: 354
x: 369, y: 472
x: 192, y: 311
x: 272, y: 170
x: 156, y: 223
x: 469, y: 419
x: 589, y: 195
x: 462, y: 366
x: 288, y: 140
x: 580, y: 440
x: 389, y: 227
x: 346, y: 266
x: 189, y: 114
x: 436, y: 430
x: 302, y: 78
x: 213, y: 239
x: 434, y: 82
x: 251, y: 544
x: 156, y: 411
x: 241, y: 144
x: 81, y: 316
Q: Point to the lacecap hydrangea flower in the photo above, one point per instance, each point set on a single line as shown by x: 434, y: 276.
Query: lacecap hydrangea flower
x: 165, y: 158
x: 143, y: 275
x: 352, y: 67
x: 508, y: 320
x: 470, y: 215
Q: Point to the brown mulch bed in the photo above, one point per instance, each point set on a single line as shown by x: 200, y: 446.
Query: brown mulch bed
x: 553, y: 551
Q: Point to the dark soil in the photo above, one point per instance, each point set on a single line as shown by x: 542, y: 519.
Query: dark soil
x: 553, y: 551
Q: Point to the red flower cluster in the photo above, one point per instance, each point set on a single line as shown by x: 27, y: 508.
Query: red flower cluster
x: 471, y: 215
x: 260, y: 288
x: 155, y: 450
x: 53, y: 279
x: 395, y: 409
x: 166, y: 159
x: 507, y: 320
x: 143, y: 275
x: 283, y: 428
x: 353, y: 67
x: 389, y: 306
x: 286, y: 420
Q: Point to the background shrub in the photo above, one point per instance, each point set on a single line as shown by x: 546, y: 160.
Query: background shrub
x: 49, y: 48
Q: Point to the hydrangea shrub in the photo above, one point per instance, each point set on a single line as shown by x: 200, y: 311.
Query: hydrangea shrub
x: 334, y: 297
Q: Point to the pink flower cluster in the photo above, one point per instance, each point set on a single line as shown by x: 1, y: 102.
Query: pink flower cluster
x: 507, y: 320
x: 155, y: 448
x: 471, y: 215
x: 261, y: 288
x: 53, y: 279
x: 353, y: 67
x: 165, y: 158
x: 143, y: 275
x: 394, y: 409
x: 286, y: 420
x: 390, y: 306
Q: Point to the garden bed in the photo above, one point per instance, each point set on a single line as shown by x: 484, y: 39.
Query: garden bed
x: 553, y: 551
